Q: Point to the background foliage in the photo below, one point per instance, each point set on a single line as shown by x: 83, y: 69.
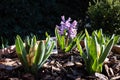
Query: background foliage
x: 105, y: 14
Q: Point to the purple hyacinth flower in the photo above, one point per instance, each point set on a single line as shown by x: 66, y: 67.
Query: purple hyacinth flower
x: 67, y: 26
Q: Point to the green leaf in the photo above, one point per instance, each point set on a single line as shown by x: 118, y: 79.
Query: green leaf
x: 87, y: 34
x: 80, y: 36
x: 106, y: 51
x: 33, y: 42
x: 99, y: 68
x: 101, y: 37
x: 95, y: 66
x: 116, y: 39
x: 27, y: 43
x: 47, y: 54
x: 50, y: 48
x: 79, y: 47
x: 93, y: 47
x: 110, y: 2
x: 46, y: 34
x: 40, y: 53
x: 87, y: 43
x: 84, y: 55
x: 47, y: 42
x: 86, y: 47
x: 20, y: 50
x: 63, y: 42
x: 70, y: 46
x: 58, y: 38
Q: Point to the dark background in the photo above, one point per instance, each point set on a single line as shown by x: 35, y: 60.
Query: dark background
x: 37, y: 16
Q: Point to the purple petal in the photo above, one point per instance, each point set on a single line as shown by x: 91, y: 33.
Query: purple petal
x: 74, y: 24
x: 72, y: 33
x: 67, y: 24
x: 63, y: 18
x: 57, y: 26
x: 69, y: 19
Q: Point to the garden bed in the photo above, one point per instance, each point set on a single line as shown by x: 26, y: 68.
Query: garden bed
x: 69, y: 66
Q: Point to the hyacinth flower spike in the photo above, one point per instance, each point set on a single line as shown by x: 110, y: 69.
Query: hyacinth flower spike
x: 66, y: 34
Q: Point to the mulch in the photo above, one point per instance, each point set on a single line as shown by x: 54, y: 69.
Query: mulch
x: 62, y: 66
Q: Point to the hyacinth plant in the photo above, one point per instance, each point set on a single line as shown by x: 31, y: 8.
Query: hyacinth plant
x: 33, y: 54
x: 66, y: 34
x: 96, y: 51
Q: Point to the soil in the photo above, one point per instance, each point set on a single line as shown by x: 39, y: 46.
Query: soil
x: 62, y: 66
